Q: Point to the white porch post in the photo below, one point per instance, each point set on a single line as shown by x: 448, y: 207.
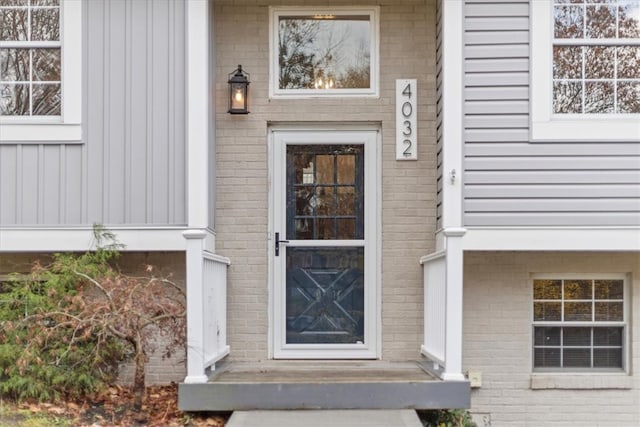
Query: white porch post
x: 195, y: 307
x: 454, y: 305
x: 452, y: 212
x: 197, y: 138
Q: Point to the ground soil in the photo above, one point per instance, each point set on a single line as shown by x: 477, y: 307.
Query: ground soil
x: 112, y: 407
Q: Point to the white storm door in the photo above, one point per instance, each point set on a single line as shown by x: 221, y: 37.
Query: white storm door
x: 324, y: 252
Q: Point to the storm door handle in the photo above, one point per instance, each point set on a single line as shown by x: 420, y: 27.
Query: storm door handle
x: 278, y: 241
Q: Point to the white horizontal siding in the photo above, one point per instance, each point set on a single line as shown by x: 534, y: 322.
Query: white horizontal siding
x: 498, y: 121
x: 509, y: 180
x: 496, y: 23
x: 593, y: 149
x: 496, y: 38
x: 565, y: 191
x: 492, y: 65
x: 551, y: 177
x: 566, y: 205
x: 491, y: 9
x: 493, y: 135
x: 482, y: 106
x: 542, y: 163
x: 497, y: 51
x: 544, y: 219
x: 495, y: 79
x: 497, y: 93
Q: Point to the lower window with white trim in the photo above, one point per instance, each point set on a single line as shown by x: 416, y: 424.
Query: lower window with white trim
x: 579, y: 323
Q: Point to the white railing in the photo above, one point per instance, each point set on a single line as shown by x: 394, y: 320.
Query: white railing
x: 435, y: 298
x: 206, y: 307
x: 443, y: 278
x: 215, y: 308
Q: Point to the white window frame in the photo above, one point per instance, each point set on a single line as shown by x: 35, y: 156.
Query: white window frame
x: 374, y: 21
x: 547, y: 126
x: 624, y: 324
x: 68, y: 126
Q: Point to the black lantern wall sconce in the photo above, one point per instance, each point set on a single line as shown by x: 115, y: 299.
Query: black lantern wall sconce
x: 238, y: 91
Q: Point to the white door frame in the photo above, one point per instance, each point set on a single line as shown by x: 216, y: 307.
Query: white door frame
x: 279, y: 137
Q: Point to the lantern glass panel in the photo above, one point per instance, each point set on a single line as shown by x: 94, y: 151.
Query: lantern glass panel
x: 238, y: 96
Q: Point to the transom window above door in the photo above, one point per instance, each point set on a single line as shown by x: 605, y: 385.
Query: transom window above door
x: 324, y: 52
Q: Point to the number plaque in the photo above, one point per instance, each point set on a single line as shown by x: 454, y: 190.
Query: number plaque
x: 406, y: 119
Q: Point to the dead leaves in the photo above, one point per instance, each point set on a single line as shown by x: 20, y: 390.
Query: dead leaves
x: 113, y: 407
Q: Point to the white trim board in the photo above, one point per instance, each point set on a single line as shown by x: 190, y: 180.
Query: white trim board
x: 580, y: 239
x: 547, y: 126
x: 68, y: 126
x: 60, y: 239
x: 198, y: 114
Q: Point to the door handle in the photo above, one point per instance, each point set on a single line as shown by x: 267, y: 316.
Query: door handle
x: 278, y: 241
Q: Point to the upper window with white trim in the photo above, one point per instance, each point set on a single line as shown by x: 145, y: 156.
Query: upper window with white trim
x: 585, y: 62
x: 40, y: 78
x: 320, y: 52
x: 579, y: 323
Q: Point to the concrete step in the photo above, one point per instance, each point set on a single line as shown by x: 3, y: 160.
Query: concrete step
x: 322, y: 385
x: 326, y: 418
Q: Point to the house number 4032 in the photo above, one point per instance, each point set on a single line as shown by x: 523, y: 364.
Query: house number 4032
x: 406, y: 119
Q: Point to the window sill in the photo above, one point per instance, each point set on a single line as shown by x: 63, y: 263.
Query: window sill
x: 581, y: 381
x: 40, y: 133
x: 586, y: 129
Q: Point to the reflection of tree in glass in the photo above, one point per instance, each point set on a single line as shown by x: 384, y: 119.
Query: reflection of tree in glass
x: 296, y: 66
x: 30, y: 75
x: 322, y: 54
x: 596, y: 78
x: 358, y: 75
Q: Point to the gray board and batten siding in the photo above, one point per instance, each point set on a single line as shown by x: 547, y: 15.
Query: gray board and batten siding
x: 130, y: 167
x: 510, y: 181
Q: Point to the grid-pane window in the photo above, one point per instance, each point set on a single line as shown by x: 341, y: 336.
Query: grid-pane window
x: 578, y: 323
x: 30, y: 58
x: 596, y: 56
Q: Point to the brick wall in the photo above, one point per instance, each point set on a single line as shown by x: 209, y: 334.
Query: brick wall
x: 407, y: 50
x: 497, y: 341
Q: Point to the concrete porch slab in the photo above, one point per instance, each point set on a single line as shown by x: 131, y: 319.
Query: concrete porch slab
x: 278, y: 385
x: 324, y: 418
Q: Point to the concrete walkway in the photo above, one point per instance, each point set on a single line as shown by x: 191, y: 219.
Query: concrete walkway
x: 326, y: 418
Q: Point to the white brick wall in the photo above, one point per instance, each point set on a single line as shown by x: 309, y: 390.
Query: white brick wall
x: 497, y: 341
x: 407, y: 50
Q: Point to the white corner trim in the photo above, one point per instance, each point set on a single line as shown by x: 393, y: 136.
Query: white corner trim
x: 546, y: 126
x: 452, y: 123
x: 198, y: 114
x: 61, y: 239
x: 552, y: 239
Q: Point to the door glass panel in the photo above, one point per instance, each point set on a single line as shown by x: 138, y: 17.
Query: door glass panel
x: 325, y: 192
x: 325, y: 295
